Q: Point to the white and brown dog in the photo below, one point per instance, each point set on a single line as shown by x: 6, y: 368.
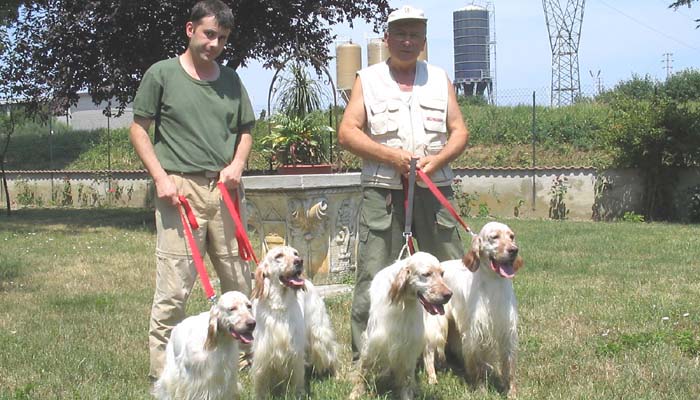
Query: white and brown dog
x: 202, y: 353
x: 393, y: 340
x: 293, y: 327
x: 482, y: 316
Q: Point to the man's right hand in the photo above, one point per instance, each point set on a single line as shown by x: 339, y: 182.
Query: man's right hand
x: 402, y: 161
x: 166, y: 190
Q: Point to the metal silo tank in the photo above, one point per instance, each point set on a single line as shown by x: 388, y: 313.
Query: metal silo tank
x: 423, y: 56
x: 377, y: 51
x: 348, y: 62
x: 471, y: 44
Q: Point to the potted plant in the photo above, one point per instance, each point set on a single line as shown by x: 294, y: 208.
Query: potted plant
x: 298, y: 144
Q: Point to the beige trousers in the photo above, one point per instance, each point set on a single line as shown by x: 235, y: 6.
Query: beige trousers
x: 175, y: 269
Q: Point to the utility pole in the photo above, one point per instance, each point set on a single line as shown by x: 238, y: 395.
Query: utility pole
x: 597, y: 81
x: 668, y: 64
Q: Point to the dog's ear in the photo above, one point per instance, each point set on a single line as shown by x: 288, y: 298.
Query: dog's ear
x: 518, y: 263
x: 472, y: 258
x: 398, y: 286
x: 260, y: 273
x: 210, y: 343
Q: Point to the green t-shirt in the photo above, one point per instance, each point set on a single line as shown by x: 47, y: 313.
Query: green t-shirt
x: 196, y: 122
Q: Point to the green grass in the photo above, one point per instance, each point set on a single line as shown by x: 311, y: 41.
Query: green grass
x: 607, y: 310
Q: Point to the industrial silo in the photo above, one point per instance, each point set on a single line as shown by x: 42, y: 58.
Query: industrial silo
x: 348, y: 60
x: 423, y: 56
x: 377, y: 51
x: 472, y: 43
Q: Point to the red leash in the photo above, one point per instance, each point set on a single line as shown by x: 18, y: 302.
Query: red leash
x: 187, y: 217
x: 245, y: 249
x: 441, y: 198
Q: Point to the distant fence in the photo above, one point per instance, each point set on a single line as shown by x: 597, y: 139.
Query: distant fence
x: 523, y: 96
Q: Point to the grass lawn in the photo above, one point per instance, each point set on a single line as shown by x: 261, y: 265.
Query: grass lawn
x: 607, y: 310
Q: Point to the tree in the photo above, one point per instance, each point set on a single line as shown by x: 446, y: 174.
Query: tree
x: 655, y: 127
x: 680, y: 3
x: 9, y: 104
x: 104, y: 47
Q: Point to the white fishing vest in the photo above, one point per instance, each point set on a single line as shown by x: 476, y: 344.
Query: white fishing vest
x: 415, y: 121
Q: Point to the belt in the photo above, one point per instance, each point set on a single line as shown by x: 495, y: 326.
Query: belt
x: 205, y: 174
x: 211, y: 174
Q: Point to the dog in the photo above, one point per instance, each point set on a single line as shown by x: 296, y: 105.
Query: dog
x: 393, y: 340
x: 480, y: 325
x: 201, y: 357
x: 294, y: 330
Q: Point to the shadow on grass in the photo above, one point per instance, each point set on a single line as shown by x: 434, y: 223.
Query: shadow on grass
x: 26, y: 220
x: 10, y: 269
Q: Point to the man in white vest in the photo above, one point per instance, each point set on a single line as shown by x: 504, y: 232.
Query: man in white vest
x: 398, y: 110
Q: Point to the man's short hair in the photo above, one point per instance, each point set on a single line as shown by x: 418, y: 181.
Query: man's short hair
x: 206, y: 8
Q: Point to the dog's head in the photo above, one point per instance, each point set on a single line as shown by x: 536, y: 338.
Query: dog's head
x: 231, y: 315
x: 421, y: 276
x: 281, y: 266
x: 494, y: 247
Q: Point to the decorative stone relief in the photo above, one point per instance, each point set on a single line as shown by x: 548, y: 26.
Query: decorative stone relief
x: 307, y: 224
x: 344, y: 241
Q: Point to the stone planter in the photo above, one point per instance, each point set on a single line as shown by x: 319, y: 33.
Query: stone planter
x: 315, y: 213
x: 302, y: 169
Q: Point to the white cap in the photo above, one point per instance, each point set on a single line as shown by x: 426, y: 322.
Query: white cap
x: 407, y: 12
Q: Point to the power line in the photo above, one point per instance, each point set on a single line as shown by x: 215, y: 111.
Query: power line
x: 650, y: 27
x: 677, y: 11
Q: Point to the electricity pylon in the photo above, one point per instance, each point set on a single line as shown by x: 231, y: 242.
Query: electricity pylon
x: 564, y: 27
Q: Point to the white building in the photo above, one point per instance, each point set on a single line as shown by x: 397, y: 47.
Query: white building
x: 86, y: 115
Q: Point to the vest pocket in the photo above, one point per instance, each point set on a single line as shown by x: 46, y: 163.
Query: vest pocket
x: 384, y: 118
x: 434, y: 114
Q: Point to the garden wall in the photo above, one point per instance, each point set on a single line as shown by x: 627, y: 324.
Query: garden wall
x: 573, y: 193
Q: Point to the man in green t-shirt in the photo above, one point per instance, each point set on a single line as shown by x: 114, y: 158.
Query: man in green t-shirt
x: 203, y: 119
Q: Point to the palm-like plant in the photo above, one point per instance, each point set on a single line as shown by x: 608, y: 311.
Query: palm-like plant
x: 299, y: 93
x: 297, y: 140
x: 297, y: 134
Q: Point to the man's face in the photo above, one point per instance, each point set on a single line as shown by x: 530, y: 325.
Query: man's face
x: 406, y: 39
x: 207, y: 38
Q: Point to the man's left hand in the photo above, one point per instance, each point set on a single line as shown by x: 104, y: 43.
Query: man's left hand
x: 231, y: 176
x: 428, y: 164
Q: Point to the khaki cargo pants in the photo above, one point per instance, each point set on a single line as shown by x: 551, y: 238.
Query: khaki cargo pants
x: 382, y: 220
x: 175, y: 270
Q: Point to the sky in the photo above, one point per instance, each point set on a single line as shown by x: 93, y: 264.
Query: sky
x: 619, y: 38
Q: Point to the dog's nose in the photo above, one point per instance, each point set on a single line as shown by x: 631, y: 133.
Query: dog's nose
x: 298, y: 264
x: 250, y: 324
x: 513, y: 250
x: 447, y: 296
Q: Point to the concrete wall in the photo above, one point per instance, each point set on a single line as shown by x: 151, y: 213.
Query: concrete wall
x: 500, y: 192
x: 78, y: 189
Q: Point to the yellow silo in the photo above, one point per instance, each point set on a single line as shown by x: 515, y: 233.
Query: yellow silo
x: 423, y: 56
x: 377, y: 51
x: 348, y: 60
